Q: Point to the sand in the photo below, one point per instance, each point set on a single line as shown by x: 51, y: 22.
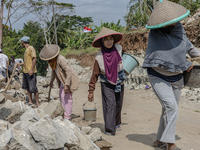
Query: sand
x: 140, y: 118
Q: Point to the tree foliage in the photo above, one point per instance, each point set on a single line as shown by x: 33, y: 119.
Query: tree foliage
x: 139, y: 11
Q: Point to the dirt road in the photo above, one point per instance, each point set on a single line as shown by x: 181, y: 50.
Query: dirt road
x: 140, y: 118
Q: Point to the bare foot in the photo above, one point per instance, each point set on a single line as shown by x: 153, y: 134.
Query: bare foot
x: 38, y: 104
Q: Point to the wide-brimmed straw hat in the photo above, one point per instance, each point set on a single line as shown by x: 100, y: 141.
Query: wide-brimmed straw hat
x: 106, y: 32
x: 49, y: 51
x: 166, y: 13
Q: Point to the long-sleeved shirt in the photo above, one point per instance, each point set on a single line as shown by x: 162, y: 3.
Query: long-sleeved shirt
x: 95, y: 74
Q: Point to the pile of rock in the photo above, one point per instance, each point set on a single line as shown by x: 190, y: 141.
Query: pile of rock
x: 32, y: 128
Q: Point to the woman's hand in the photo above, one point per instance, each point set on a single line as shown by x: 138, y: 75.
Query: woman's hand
x: 190, y: 68
x: 90, y: 96
x: 66, y: 89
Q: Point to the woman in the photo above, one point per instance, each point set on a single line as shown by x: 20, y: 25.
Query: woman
x: 108, y: 65
x: 68, y: 80
x: 165, y: 61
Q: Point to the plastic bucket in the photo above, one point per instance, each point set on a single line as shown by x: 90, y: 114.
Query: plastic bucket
x: 89, y: 113
x: 129, y: 63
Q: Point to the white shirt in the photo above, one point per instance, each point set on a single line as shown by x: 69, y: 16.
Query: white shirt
x: 3, y: 61
x: 19, y: 60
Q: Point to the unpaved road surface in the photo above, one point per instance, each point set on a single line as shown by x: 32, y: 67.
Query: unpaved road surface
x: 140, y: 118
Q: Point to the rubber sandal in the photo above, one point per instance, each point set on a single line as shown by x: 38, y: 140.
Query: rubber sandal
x: 160, y: 145
x: 107, y: 133
x: 176, y: 148
x: 117, y: 128
x: 29, y: 104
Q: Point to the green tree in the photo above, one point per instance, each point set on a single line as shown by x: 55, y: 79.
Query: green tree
x: 117, y: 27
x: 139, y: 11
x: 15, y: 10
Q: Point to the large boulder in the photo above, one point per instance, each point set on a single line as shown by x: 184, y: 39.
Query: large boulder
x: 95, y: 135
x: 2, y: 98
x: 6, y: 109
x: 3, y: 126
x: 17, y: 139
x: 12, y: 111
x: 54, y: 109
x: 16, y: 85
x: 52, y: 135
x: 2, y: 83
x: 84, y: 142
x: 86, y: 130
x: 55, y: 92
x: 21, y: 95
x: 29, y: 118
x: 104, y: 145
x: 42, y: 81
x: 11, y: 92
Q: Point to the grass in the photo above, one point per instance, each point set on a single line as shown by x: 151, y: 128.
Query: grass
x: 197, y: 111
x: 66, y: 51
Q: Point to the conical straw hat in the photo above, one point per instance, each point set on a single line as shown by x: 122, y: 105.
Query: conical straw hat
x: 166, y: 13
x: 106, y: 32
x: 49, y: 52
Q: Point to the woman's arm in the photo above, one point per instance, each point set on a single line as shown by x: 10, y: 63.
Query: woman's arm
x: 93, y: 80
x: 193, y: 52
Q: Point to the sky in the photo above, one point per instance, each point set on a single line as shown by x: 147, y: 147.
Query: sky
x: 105, y: 10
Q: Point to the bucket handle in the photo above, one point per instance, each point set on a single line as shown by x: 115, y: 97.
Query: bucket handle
x: 91, y: 102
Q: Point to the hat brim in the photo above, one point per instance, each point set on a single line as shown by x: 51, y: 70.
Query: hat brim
x: 169, y: 22
x: 46, y: 59
x: 117, y: 38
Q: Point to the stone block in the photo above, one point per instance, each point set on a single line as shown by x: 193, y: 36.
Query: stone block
x: 17, y: 139
x: 95, y: 135
x: 54, y: 109
x: 103, y: 145
x: 86, y: 130
x: 3, y: 126
x: 52, y: 135
x: 2, y: 98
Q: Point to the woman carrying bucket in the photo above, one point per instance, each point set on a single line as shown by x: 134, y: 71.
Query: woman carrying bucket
x: 165, y: 61
x: 67, y: 78
x: 108, y: 65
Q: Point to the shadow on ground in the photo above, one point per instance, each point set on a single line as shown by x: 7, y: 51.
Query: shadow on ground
x: 146, y: 139
x: 73, y: 116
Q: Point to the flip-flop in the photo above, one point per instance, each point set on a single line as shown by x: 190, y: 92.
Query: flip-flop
x: 176, y: 148
x: 29, y: 104
x: 107, y: 133
x: 117, y: 128
x: 160, y: 145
